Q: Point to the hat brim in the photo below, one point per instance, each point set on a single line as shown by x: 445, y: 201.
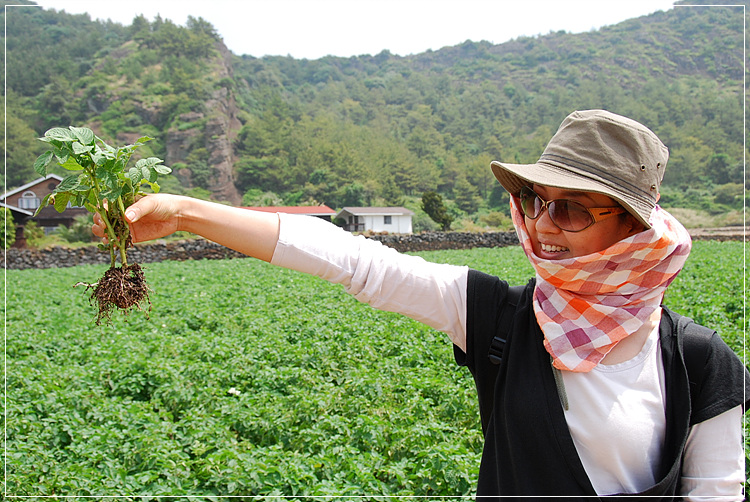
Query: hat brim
x: 513, y: 177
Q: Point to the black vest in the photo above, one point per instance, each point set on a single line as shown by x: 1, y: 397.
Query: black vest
x: 528, y: 448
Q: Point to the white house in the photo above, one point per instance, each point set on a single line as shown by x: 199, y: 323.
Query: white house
x: 394, y: 220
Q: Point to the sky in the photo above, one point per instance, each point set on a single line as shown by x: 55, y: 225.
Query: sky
x: 311, y: 29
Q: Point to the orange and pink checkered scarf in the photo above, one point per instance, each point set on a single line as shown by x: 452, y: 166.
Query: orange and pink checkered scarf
x: 585, y: 305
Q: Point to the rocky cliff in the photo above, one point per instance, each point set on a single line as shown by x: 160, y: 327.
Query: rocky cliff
x: 196, y: 141
x: 216, y: 128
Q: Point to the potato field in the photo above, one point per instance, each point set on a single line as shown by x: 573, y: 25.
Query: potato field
x: 246, y: 379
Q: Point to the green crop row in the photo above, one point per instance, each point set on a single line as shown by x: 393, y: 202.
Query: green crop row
x: 247, y: 379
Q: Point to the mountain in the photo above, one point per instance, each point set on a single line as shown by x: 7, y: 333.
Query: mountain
x: 378, y: 129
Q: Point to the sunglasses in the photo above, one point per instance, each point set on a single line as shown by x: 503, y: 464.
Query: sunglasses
x: 566, y: 214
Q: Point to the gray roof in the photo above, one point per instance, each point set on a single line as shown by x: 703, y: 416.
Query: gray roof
x: 377, y: 211
x: 16, y: 209
x: 31, y: 184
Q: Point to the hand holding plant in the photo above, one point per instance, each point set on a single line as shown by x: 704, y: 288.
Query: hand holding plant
x: 101, y: 182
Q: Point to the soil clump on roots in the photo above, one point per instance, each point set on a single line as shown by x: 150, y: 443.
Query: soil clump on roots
x: 123, y: 287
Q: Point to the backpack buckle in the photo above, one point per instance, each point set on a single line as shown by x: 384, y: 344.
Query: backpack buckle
x: 496, y: 350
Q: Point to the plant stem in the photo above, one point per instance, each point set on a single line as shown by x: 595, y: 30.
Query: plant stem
x: 102, y: 210
x: 125, y: 233
x: 123, y: 256
x: 110, y: 234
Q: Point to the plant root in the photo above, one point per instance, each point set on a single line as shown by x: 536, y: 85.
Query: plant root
x: 124, y: 288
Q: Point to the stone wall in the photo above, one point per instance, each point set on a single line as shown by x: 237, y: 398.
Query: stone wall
x: 433, y: 241
x: 200, y: 249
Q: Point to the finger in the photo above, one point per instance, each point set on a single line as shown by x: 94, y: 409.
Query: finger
x: 136, y: 211
x: 99, y: 232
x: 98, y: 227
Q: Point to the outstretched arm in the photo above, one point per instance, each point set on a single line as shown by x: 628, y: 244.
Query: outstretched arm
x: 432, y: 293
x: 252, y: 233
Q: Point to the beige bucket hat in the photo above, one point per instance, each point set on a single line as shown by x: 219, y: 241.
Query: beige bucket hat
x: 597, y: 151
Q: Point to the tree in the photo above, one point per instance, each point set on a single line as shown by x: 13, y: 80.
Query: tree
x: 21, y: 146
x: 465, y: 195
x: 718, y: 168
x: 353, y: 195
x: 9, y: 228
x: 391, y: 192
x: 432, y: 204
x: 202, y: 27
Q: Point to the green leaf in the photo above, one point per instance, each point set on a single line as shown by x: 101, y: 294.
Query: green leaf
x: 41, y: 163
x: 60, y: 134
x: 84, y: 135
x: 71, y: 165
x: 45, y: 203
x: 135, y: 175
x: 107, y: 150
x: 113, y: 194
x: 78, y: 148
x: 142, y: 139
x: 51, y: 141
x: 124, y: 152
x: 108, y: 165
x: 155, y: 187
x: 149, y: 173
x: 98, y: 158
x: 93, y: 201
x: 79, y: 198
x: 149, y: 162
x: 163, y: 169
x: 68, y: 184
x: 107, y: 178
x: 61, y: 201
x: 61, y: 156
x: 119, y: 165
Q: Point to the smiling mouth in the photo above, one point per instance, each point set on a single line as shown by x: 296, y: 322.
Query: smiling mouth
x: 547, y: 248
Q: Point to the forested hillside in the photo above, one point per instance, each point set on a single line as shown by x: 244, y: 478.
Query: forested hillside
x: 379, y: 129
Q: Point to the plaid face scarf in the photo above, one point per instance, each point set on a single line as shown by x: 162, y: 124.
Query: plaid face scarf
x: 586, y: 304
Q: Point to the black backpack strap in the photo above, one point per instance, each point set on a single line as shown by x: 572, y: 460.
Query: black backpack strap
x: 696, y: 341
x: 506, y: 316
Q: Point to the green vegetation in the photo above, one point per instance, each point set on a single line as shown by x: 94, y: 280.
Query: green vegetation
x: 432, y: 204
x: 380, y: 129
x: 251, y: 379
x: 9, y: 228
x: 78, y: 232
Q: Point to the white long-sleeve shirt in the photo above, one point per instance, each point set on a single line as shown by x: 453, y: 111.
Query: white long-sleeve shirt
x: 628, y: 397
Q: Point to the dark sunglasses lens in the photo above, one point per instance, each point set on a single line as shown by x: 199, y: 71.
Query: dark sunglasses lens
x: 570, y: 215
x: 530, y: 203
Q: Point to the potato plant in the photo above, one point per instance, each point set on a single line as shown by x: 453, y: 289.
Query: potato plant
x: 101, y: 182
x: 281, y: 386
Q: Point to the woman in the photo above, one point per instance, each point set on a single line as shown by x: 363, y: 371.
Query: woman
x: 587, y: 392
